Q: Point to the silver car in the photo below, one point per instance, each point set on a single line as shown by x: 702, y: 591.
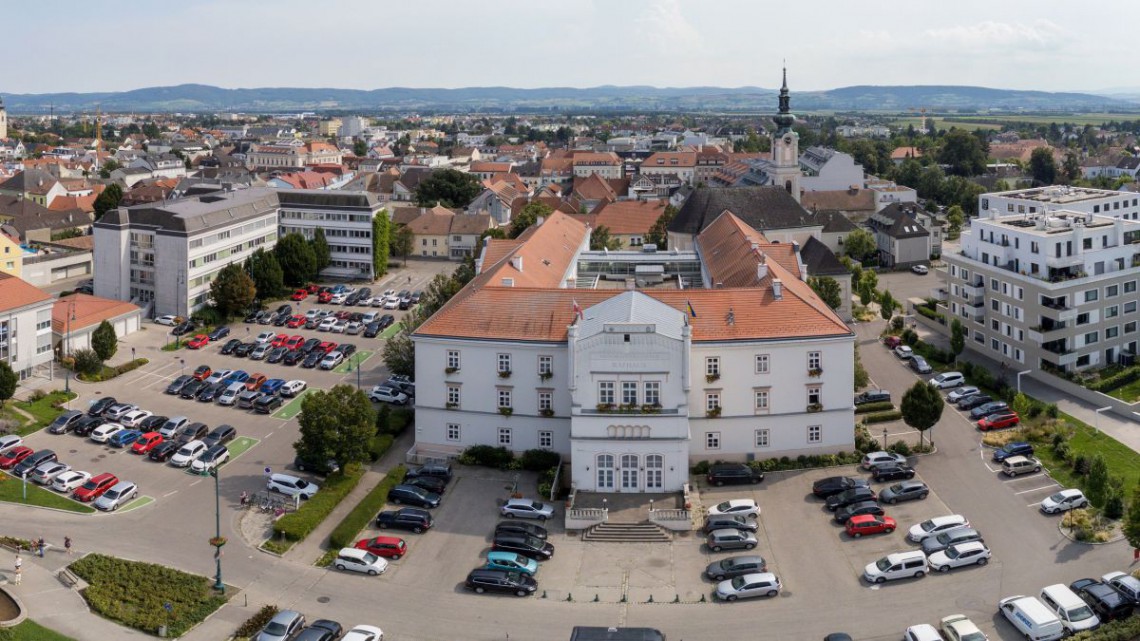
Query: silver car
x: 527, y: 509
x: 282, y: 626
x: 730, y: 540
x: 905, y: 491
x: 47, y: 472
x: 748, y: 586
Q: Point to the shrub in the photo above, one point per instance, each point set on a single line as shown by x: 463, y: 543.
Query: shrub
x: 1058, y: 440
x: 379, y: 445
x: 1052, y: 411
x: 701, y: 468
x: 900, y: 447
x: 87, y: 362
x: 1118, y: 630
x: 1120, y: 379
x: 1081, y: 464
x: 487, y: 456
x: 909, y: 337
x: 255, y: 623
x: 897, y: 323
x: 882, y: 417
x: 539, y: 460
x: 1114, y: 505
x: 295, y: 526
x: 37, y: 395
x: 884, y: 406
x: 344, y: 535
x: 399, y: 421
x: 967, y: 368
x: 1035, y: 410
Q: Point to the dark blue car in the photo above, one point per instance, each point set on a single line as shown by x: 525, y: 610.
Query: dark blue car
x: 1017, y: 448
x: 124, y: 438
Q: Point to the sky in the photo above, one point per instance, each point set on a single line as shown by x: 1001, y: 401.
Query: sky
x: 1046, y: 45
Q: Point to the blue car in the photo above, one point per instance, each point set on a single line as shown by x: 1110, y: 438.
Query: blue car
x: 219, y: 333
x: 1016, y: 448
x: 124, y: 438
x: 272, y: 386
x: 239, y: 376
x: 511, y: 561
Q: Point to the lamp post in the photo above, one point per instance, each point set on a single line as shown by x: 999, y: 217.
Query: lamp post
x: 183, y: 361
x: 884, y: 438
x: 1019, y: 375
x: 218, y: 585
x: 358, y: 374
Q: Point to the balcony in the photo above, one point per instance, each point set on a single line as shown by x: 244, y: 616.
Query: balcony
x: 1056, y: 347
x: 1041, y: 334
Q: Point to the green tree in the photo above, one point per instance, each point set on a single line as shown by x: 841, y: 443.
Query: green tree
x: 963, y: 154
x: 381, y: 243
x: 233, y: 291
x: 104, y: 341
x: 921, y: 407
x: 930, y: 183
x: 402, y: 242
x: 1071, y: 167
x: 382, y: 418
x: 887, y: 305
x: 448, y: 187
x: 267, y: 275
x: 862, y: 378
x: 297, y: 258
x: 1042, y: 166
x: 8, y: 382
x: 869, y: 279
x: 859, y: 245
x: 87, y: 361
x: 956, y: 217
x: 659, y: 232
x: 866, y: 293
x: 336, y: 424
x: 1021, y: 404
x: 359, y: 148
x: 1131, y: 525
x: 909, y: 173
x: 108, y: 200
x: 1096, y: 483
x: 827, y: 288
x: 957, y: 338
x: 528, y: 216
x: 321, y: 249
x: 601, y: 239
x: 399, y: 352
x: 107, y: 167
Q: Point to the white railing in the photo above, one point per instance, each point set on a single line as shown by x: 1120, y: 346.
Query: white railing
x: 670, y: 515
x: 588, y: 513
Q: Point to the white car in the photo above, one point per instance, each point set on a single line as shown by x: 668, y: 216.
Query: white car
x: 946, y: 380
x: 331, y: 360
x: 293, y: 387
x: 359, y: 561
x: 921, y: 270
x: 364, y: 633
x: 291, y: 486
x: 168, y: 319
x: 68, y: 482
x: 386, y: 394
x: 104, y: 432
x: 338, y: 299
x: 210, y: 459
x: 135, y: 418
x: 922, y: 632
x: 957, y: 627
x: 527, y: 509
x: 187, y: 453
x: 218, y: 376
x: 1064, y: 501
x: 1126, y: 584
x: 936, y: 525
x: 904, y: 352
x: 881, y: 458
x: 119, y: 410
x: 327, y: 324
x: 392, y: 302
x: 748, y: 585
x: 960, y: 555
x: 961, y: 393
x: 265, y: 337
x: 742, y: 507
x: 354, y: 327
x: 10, y: 441
x: 378, y: 301
x: 339, y: 327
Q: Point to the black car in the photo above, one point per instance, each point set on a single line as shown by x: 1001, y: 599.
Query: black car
x: 893, y: 473
x: 348, y: 349
x: 416, y: 297
x: 515, y: 526
x: 320, y: 630
x: 313, y: 359
x: 292, y: 357
x: 65, y: 422
x: 267, y: 403
x: 406, y: 518
x: 372, y: 330
x: 243, y: 350
x: 220, y: 435
x: 386, y: 321
x: 191, y: 388
x: 191, y: 432
x: 986, y: 409
x: 411, y: 495
x: 163, y: 451
x: 281, y: 320
x: 729, y: 522
x: 1108, y: 604
x: 733, y: 473
x: 406, y: 387
x: 231, y: 345
x: 177, y: 384
x: 970, y: 402
x: 183, y: 328
x: 428, y: 483
x: 843, y: 514
x: 32, y: 462
x: 102, y: 405
x: 152, y: 423
x: 252, y: 317
x: 873, y: 396
x: 277, y: 354
x: 285, y: 309
x: 211, y: 392
x: 323, y: 467
x: 219, y: 333
x: 487, y: 580
x: 833, y: 485
x: 440, y: 470
x: 1017, y: 448
x: 308, y: 345
x: 365, y: 295
x: 848, y: 497
x: 86, y: 425
x: 527, y: 546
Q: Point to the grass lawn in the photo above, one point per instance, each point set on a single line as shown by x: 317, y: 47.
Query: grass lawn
x: 31, y: 631
x: 350, y: 363
x: 1129, y: 393
x: 12, y: 491
x: 42, y: 410
x: 392, y: 330
x: 1122, y: 461
x: 293, y: 407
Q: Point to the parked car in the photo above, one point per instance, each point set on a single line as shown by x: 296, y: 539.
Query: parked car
x: 291, y: 486
x: 191, y: 389
x: 387, y: 394
x: 720, y: 474
x: 881, y: 458
x: 191, y: 432
x: 1016, y: 448
x: 244, y: 350
x: 312, y: 359
x: 153, y: 423
x: 65, y: 422
x: 943, y: 540
x: 985, y: 410
x: 177, y: 384
x: 372, y: 330
x: 522, y: 527
x: 999, y: 421
x: 261, y: 352
x: 440, y: 470
x: 355, y: 560
x: 146, y: 442
x: 332, y: 360
x: 95, y: 487
x: 214, y: 457
x: 134, y: 419
x: 729, y: 522
x: 903, y: 352
x: 186, y: 454
x: 947, y: 380
x: 238, y: 376
x: 267, y: 403
x: 960, y: 555
x: 185, y: 327
x: 282, y: 626
x: 293, y: 388
x: 87, y: 424
x: 170, y: 320
x: 100, y: 406
x: 390, y: 547
x: 957, y: 627
x: 849, y: 497
x: 858, y: 526
x: 277, y: 354
x: 961, y: 393
x: 905, y: 491
x: 1106, y: 602
x: 124, y: 438
x: 1064, y: 501
x: 1125, y: 584
x: 737, y: 507
x: 892, y: 342
x: 735, y: 566
x: 891, y: 472
x: 873, y: 396
x: 428, y: 483
x: 719, y: 540
x: 70, y: 481
x: 320, y: 630
x: 406, y: 518
x: 844, y: 514
x: 974, y: 400
x: 46, y: 473
x: 198, y: 342
x: 530, y: 546
x: 293, y: 357
x: 407, y: 494
x: 211, y: 392
x: 15, y: 456
x: 748, y: 586
x: 936, y: 526
x: 494, y: 580
x: 919, y: 365
x: 832, y: 485
x: 219, y: 333
x: 9, y: 442
x: 163, y: 451
x: 324, y: 467
x: 117, y: 496
x: 924, y: 632
x: 104, y: 432
x: 511, y: 562
x: 921, y: 270
x: 220, y: 435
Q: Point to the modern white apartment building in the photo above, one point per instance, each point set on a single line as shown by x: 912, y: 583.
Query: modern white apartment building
x: 1117, y: 204
x: 25, y: 325
x: 601, y: 357
x: 346, y: 219
x: 164, y: 255
x: 1050, y: 288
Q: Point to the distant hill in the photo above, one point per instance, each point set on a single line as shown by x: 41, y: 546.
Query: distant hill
x: 200, y: 98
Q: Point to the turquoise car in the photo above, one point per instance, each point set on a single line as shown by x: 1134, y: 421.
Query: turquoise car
x: 511, y: 561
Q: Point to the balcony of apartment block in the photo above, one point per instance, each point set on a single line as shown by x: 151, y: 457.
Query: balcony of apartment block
x: 1046, y: 332
x: 1058, y: 309
x: 1064, y: 355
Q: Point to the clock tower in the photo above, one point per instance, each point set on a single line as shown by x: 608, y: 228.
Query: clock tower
x: 3, y: 121
x: 785, y: 170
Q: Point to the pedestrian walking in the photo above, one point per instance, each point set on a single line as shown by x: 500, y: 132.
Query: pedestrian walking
x: 67, y: 544
x: 40, y: 545
x: 19, y: 569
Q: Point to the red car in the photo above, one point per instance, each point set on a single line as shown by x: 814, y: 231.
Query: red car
x: 313, y: 288
x: 295, y: 321
x: 857, y: 526
x: 326, y: 346
x: 14, y: 456
x: 294, y: 342
x: 300, y: 294
x: 280, y: 339
x: 892, y: 342
x: 198, y: 342
x: 998, y: 421
x: 202, y: 372
x: 324, y: 297
x: 95, y: 488
x: 388, y: 546
x: 255, y: 381
x: 147, y: 442
x: 342, y: 315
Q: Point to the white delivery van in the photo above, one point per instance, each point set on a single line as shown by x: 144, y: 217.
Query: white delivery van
x: 1031, y: 618
x: 1075, y: 614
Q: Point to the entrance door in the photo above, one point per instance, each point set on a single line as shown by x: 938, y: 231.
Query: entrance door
x: 605, y: 472
x: 654, y: 472
x: 629, y: 472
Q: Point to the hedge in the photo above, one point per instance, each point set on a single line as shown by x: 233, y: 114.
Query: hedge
x: 295, y: 526
x: 379, y: 445
x: 487, y: 456
x: 882, y: 417
x: 883, y: 406
x: 107, y: 373
x: 344, y: 535
x: 255, y: 623
x: 1119, y: 630
x: 1120, y: 379
x: 399, y: 421
x: 785, y: 463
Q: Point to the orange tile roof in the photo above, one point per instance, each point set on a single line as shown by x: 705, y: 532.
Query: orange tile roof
x: 497, y: 249
x: 596, y: 158
x: 88, y: 310
x: 629, y: 216
x: 547, y: 252
x: 17, y: 292
x: 490, y: 167
x: 727, y: 249
x: 593, y: 187
x: 433, y: 222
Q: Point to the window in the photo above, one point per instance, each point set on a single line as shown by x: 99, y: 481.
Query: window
x: 761, y: 363
x: 1111, y: 312
x: 504, y: 363
x: 1111, y: 332
x: 1083, y: 318
x: 629, y: 392
x: 504, y: 398
x: 1111, y: 291
x: 1130, y: 327
x: 762, y: 437
x: 545, y: 401
x: 545, y: 365
x: 712, y: 366
x: 1130, y: 307
x: 505, y: 436
x: 712, y: 440
x: 546, y: 439
x: 814, y: 395
x: 712, y: 402
x: 453, y: 359
x: 453, y: 431
x: 1130, y: 287
x: 815, y: 360
x: 1091, y: 295
x: 453, y: 395
x: 606, y: 392
x: 815, y: 434
x: 1092, y: 338
x: 652, y: 392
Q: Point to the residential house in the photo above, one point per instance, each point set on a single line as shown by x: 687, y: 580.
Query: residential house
x: 901, y: 239
x: 628, y: 220
x: 25, y: 326
x: 681, y: 165
x: 431, y: 229
x: 465, y: 233
x: 606, y: 164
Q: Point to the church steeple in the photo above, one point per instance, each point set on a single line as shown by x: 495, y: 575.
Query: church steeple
x: 785, y: 119
x: 785, y: 168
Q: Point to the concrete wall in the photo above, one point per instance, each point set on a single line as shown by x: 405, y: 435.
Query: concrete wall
x: 42, y: 271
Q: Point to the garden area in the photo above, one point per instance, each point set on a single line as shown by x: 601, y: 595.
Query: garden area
x: 42, y: 406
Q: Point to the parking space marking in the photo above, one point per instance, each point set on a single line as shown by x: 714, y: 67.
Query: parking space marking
x: 137, y: 503
x: 350, y: 364
x: 293, y: 407
x: 172, y: 493
x: 1036, y: 489
x: 241, y: 445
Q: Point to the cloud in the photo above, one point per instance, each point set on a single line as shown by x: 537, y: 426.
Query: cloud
x: 1000, y: 36
x: 664, y: 30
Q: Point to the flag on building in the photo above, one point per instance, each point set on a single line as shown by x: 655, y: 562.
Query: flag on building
x: 578, y: 310
x: 692, y: 312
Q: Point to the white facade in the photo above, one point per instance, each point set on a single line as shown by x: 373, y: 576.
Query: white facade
x: 345, y: 217
x: 25, y: 326
x: 1117, y: 204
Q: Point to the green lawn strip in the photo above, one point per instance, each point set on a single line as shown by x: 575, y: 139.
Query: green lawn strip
x: 41, y: 410
x: 344, y: 535
x: 277, y: 545
x: 138, y: 595
x: 392, y: 330
x: 240, y: 445
x: 326, y: 559
x: 137, y: 503
x: 297, y: 525
x: 12, y: 491
x: 1128, y: 393
x: 293, y: 407
x: 29, y: 630
x: 350, y: 363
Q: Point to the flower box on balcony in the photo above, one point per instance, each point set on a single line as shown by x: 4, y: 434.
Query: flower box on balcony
x: 450, y: 370
x: 814, y: 407
x: 712, y: 378
x: 547, y: 412
x: 451, y: 406
x: 545, y: 376
x: 651, y: 408
x: 506, y: 411
x: 217, y: 541
x: 815, y: 372
x: 605, y: 407
x: 713, y: 413
x: 505, y: 373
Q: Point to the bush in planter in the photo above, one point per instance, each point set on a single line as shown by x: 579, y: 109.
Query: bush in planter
x: 87, y: 362
x: 882, y: 417
x: 900, y: 447
x: 897, y: 323
x: 487, y: 456
x: 1052, y: 411
x: 255, y: 623
x: 538, y: 460
x: 701, y: 468
x: 883, y: 406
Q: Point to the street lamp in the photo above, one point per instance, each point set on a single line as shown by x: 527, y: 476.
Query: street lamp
x: 1098, y: 412
x: 1019, y: 374
x: 358, y: 374
x: 884, y: 438
x: 218, y: 585
x: 183, y: 361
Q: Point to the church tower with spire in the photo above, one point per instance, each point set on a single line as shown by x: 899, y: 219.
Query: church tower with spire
x: 3, y: 120
x: 785, y: 170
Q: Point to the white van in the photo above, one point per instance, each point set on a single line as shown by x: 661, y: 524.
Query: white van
x: 1075, y: 614
x: 900, y: 565
x: 1031, y: 618
x: 947, y: 380
x: 230, y: 396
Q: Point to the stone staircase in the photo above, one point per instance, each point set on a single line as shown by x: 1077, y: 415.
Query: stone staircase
x: 643, y: 532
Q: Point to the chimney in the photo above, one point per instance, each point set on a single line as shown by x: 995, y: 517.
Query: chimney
x: 517, y: 262
x: 777, y: 289
x: 761, y: 271
x: 538, y: 221
x: 796, y: 246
